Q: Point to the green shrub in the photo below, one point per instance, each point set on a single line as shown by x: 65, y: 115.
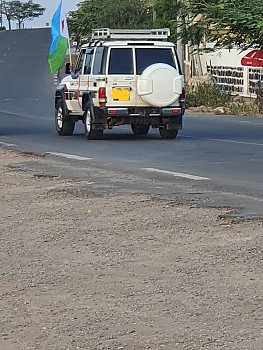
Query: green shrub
x: 242, y: 108
x: 206, y: 94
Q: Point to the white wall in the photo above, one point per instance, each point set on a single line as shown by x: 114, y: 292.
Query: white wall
x: 232, y: 58
x: 224, y: 57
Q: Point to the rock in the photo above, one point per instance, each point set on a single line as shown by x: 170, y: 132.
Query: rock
x: 206, y: 78
x: 195, y: 109
x: 219, y: 110
x: 204, y: 109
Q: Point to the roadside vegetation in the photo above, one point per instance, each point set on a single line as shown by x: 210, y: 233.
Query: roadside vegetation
x: 207, y: 97
x: 206, y: 94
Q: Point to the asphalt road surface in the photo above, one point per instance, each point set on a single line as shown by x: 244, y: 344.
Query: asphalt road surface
x: 218, y: 159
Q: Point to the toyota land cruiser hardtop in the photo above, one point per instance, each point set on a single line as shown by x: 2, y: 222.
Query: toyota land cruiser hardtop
x: 123, y: 77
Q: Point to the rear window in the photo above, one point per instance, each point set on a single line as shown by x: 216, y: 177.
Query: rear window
x: 121, y: 61
x: 148, y: 56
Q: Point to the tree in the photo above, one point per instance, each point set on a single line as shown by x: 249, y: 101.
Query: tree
x: 227, y: 23
x: 8, y: 9
x: 167, y: 14
x: 21, y: 11
x: 106, y: 13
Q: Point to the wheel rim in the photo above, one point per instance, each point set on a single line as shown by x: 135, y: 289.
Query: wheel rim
x: 60, y: 117
x: 88, y: 121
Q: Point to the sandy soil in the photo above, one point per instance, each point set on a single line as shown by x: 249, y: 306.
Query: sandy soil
x: 81, y: 270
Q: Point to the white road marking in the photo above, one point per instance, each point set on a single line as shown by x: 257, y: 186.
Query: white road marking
x: 9, y: 112
x: 238, y: 163
x: 248, y: 122
x: 68, y: 156
x: 23, y: 115
x: 186, y: 176
x: 221, y: 140
x: 6, y: 144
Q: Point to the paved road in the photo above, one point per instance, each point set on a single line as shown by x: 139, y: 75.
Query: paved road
x: 220, y: 157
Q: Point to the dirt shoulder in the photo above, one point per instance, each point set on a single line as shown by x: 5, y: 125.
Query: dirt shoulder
x: 83, y: 269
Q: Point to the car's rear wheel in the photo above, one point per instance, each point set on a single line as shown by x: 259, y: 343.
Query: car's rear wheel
x: 90, y: 131
x: 140, y: 129
x: 63, y: 127
x: 168, y: 134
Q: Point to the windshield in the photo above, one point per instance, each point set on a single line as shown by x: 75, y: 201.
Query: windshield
x: 148, y: 56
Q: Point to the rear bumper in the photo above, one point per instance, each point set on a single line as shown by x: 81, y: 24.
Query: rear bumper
x: 158, y: 117
x: 143, y: 113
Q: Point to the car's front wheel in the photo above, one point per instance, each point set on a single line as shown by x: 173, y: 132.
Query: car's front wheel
x: 140, y: 129
x: 63, y: 127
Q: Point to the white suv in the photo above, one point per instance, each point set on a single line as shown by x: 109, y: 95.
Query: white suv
x: 123, y: 77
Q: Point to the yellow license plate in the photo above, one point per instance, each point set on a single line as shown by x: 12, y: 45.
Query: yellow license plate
x: 120, y: 94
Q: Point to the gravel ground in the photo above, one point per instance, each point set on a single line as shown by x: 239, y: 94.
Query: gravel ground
x: 84, y: 270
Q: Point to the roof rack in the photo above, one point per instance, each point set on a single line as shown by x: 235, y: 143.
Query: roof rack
x: 130, y: 34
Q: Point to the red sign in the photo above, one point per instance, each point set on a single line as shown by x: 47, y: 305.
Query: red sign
x: 253, y: 59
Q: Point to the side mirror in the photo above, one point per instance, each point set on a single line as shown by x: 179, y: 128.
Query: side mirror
x: 67, y: 68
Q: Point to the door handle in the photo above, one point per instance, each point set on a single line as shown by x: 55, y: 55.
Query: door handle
x: 128, y: 78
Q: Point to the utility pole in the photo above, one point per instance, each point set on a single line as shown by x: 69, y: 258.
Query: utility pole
x: 180, y: 47
x: 1, y: 14
x: 179, y: 44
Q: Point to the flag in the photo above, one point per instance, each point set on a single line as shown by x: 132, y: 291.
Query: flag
x: 60, y: 39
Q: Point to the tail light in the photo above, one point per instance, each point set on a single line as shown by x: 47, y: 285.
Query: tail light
x: 182, y: 98
x: 102, y: 96
x: 176, y: 110
x: 112, y: 111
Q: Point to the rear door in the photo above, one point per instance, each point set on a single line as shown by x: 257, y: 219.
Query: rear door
x: 120, y: 77
x: 146, y: 56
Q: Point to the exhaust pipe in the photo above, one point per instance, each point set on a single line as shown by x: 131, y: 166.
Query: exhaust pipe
x: 109, y: 123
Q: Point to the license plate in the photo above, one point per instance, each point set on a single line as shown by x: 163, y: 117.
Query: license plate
x: 120, y: 94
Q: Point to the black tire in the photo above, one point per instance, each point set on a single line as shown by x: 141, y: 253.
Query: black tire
x: 168, y: 134
x: 63, y: 127
x: 140, y: 129
x: 90, y: 132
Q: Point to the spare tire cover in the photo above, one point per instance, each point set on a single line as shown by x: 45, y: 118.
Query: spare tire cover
x: 160, y: 85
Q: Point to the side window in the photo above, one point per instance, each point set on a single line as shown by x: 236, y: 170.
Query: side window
x: 99, y: 60
x: 80, y: 60
x: 121, y: 61
x: 88, y: 61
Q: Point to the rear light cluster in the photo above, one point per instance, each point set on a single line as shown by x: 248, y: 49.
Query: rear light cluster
x: 182, y: 98
x: 102, y: 96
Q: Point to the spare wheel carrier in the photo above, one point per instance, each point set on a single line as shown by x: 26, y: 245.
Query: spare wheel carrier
x: 160, y: 85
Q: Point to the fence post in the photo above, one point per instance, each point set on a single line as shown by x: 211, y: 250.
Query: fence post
x: 246, y: 82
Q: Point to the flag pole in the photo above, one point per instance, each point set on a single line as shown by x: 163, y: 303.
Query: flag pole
x: 69, y: 48
x: 70, y: 56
